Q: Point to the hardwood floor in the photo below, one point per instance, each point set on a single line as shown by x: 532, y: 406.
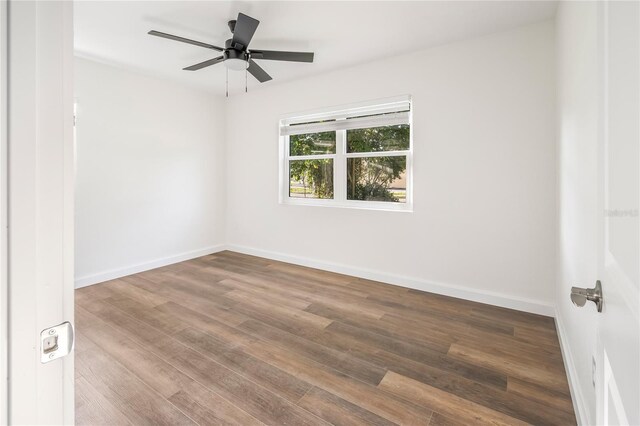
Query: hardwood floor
x: 236, y: 339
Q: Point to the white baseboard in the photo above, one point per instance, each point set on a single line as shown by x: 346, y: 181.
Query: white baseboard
x: 141, y: 267
x: 505, y: 301
x: 577, y: 397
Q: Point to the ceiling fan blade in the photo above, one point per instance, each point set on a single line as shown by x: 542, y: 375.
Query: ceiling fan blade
x: 256, y: 71
x: 204, y: 64
x: 184, y: 40
x: 243, y: 32
x: 276, y: 55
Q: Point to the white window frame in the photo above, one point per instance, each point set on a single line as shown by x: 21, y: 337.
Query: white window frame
x: 340, y: 159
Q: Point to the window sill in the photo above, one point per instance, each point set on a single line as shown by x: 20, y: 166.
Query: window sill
x: 359, y: 205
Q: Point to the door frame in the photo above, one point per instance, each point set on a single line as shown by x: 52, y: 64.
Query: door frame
x: 37, y: 205
x: 4, y: 290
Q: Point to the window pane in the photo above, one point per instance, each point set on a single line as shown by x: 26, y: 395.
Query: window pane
x: 377, y: 179
x: 311, y: 178
x: 312, y: 144
x: 375, y: 139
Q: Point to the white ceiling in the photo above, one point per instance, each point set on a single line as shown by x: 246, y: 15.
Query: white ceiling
x: 340, y: 33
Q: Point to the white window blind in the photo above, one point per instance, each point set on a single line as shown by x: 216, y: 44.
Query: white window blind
x: 390, y: 114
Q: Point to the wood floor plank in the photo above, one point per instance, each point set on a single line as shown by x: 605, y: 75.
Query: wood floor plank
x: 284, y: 320
x: 300, y: 286
x: 258, y: 401
x: 535, y: 352
x: 358, y: 393
x: 258, y: 371
x: 306, y: 272
x: 209, y: 306
x: 546, y: 336
x: 207, y: 408
x: 234, y: 339
x: 183, y: 391
x: 515, y: 318
x: 304, y: 298
x: 288, y: 313
x: 512, y: 404
x: 515, y: 352
x: 337, y: 411
x: 369, y: 351
x: 435, y: 339
x: 408, y: 349
x: 297, y: 290
x: 207, y: 323
x: 240, y: 294
x: 341, y: 361
x: 155, y: 318
x: 310, y: 284
x: 148, y: 367
x: 94, y: 408
x: 122, y: 289
x: 138, y: 402
x: 95, y: 292
x: 545, y: 396
x: 534, y: 373
x: 190, y: 287
x: 438, y: 419
x: 261, y: 403
x: 446, y: 403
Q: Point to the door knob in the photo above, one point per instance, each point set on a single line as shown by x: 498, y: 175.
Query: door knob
x: 579, y: 295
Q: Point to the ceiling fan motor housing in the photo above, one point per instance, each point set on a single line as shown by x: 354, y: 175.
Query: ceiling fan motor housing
x: 236, y: 59
x: 231, y: 53
x: 230, y: 45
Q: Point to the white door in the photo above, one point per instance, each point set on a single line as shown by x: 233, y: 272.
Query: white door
x: 40, y: 209
x: 618, y: 334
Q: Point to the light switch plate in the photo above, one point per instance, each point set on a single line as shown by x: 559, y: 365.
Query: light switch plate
x: 56, y: 342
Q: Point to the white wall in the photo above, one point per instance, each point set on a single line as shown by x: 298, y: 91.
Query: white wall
x: 484, y: 220
x: 150, y: 172
x: 577, y: 41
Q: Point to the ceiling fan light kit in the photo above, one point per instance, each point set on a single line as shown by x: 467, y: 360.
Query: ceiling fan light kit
x: 236, y: 54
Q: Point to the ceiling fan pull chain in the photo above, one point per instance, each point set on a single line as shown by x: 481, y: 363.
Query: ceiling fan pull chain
x: 227, y: 82
x: 245, y: 80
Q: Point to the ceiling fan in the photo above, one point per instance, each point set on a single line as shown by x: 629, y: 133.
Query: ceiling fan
x: 236, y: 54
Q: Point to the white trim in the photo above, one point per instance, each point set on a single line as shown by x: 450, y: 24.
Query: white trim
x: 4, y: 289
x: 141, y: 267
x: 496, y: 299
x: 312, y: 157
x: 40, y: 206
x: 340, y: 157
x: 347, y: 110
x: 394, y: 118
x: 374, y: 154
x: 348, y: 204
x: 577, y: 397
x: 68, y: 225
x: 461, y: 292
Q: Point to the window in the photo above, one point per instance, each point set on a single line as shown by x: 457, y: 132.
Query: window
x: 355, y: 156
